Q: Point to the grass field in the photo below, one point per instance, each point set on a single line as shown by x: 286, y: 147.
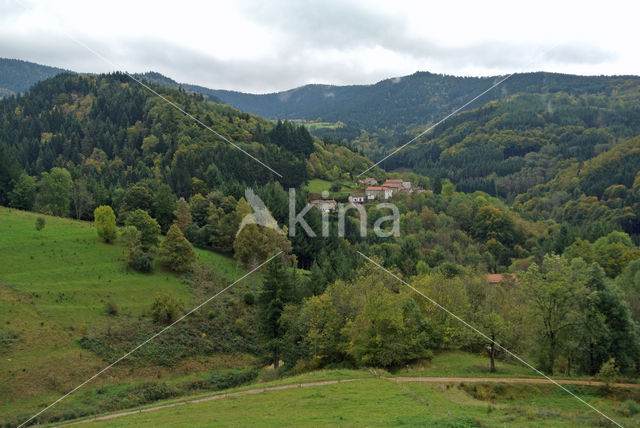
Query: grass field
x: 381, y: 402
x: 54, y: 284
x: 318, y: 185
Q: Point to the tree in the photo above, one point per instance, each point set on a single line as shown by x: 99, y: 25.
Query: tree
x: 176, y: 252
x: 82, y: 198
x: 255, y: 243
x: 629, y: 283
x: 54, y: 195
x: 148, y: 227
x: 554, y: 295
x: 105, y: 223
x: 182, y: 214
x: 164, y: 203
x: 24, y: 192
x: 137, y: 197
x: 277, y: 291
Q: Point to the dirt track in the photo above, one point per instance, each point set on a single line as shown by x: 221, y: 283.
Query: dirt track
x: 332, y: 382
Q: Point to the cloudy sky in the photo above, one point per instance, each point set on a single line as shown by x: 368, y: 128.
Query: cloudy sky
x: 277, y: 45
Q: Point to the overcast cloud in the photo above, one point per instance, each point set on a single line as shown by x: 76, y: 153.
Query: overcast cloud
x: 278, y: 45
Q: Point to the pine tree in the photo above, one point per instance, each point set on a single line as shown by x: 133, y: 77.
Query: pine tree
x: 277, y: 291
x: 183, y: 214
x: 176, y: 252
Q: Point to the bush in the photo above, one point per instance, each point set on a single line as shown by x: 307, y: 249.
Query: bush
x: 141, y: 260
x: 629, y: 408
x: 166, y: 309
x: 608, y: 372
x: 249, y: 298
x: 111, y: 307
x: 40, y: 223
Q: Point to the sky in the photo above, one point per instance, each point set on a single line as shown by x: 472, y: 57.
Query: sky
x: 269, y: 46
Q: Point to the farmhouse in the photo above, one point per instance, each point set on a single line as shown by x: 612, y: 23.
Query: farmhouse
x: 398, y: 185
x: 325, y: 205
x: 357, y: 199
x: 369, y: 181
x: 378, y: 192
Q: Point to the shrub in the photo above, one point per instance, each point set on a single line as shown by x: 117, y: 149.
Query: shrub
x: 40, y: 223
x: 166, y: 309
x: 249, y: 298
x: 111, y: 307
x: 141, y: 260
x: 608, y: 371
x: 629, y: 408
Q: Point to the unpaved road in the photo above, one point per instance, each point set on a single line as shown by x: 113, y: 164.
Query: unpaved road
x: 332, y: 382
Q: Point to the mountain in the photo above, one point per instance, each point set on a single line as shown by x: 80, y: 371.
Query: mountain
x: 399, y: 104
x: 162, y: 80
x: 17, y: 76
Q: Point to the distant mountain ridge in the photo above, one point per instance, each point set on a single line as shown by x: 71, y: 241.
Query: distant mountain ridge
x: 399, y: 103
x: 394, y: 105
x: 17, y: 76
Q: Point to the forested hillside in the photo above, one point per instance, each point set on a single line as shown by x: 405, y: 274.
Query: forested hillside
x: 508, y: 147
x: 395, y: 105
x: 17, y: 76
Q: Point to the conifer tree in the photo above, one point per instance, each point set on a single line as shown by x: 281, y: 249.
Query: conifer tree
x: 176, y: 252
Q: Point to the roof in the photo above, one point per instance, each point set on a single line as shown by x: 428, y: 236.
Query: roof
x: 377, y: 188
x: 323, y: 201
x: 494, y: 278
x: 394, y: 180
x: 394, y: 184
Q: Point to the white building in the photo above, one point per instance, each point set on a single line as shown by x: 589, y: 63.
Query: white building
x: 378, y: 192
x: 357, y: 199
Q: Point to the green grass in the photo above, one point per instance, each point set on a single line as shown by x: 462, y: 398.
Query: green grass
x: 463, y: 364
x: 318, y: 185
x: 54, y: 284
x: 312, y: 126
x: 379, y: 402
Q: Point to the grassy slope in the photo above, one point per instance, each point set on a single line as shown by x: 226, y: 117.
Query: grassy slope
x: 382, y: 402
x: 53, y: 288
x: 318, y: 185
x: 379, y: 402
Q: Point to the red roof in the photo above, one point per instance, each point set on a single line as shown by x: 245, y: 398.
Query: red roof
x: 378, y: 188
x: 395, y: 180
x: 494, y: 278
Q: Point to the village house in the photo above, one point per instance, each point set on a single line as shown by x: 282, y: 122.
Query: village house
x: 397, y: 185
x: 369, y: 181
x: 324, y: 205
x: 378, y: 192
x: 357, y: 199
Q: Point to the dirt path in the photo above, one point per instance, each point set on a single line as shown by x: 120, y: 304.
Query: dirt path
x: 332, y: 382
